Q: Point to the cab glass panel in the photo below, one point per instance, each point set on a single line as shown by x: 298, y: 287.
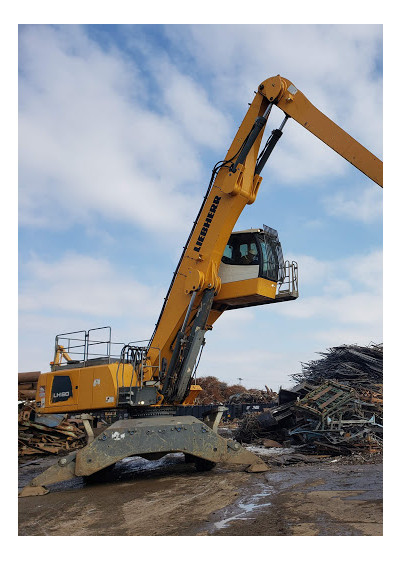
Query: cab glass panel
x: 255, y: 252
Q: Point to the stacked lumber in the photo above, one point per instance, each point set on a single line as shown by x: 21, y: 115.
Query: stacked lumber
x: 36, y: 438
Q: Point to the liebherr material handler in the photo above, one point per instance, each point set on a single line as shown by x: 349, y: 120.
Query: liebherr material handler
x: 219, y: 270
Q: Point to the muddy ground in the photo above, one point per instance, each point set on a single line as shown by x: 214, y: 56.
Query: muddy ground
x: 332, y: 497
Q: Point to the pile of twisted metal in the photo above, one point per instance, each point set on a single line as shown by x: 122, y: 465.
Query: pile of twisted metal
x: 335, y: 408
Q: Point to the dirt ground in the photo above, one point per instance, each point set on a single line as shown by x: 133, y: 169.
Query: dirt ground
x: 169, y: 498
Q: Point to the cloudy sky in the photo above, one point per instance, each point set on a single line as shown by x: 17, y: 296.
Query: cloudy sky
x: 119, y: 128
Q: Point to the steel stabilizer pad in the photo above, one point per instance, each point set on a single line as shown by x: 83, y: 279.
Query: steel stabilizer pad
x: 160, y: 435
x: 147, y: 437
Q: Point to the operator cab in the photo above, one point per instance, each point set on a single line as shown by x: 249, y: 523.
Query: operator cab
x: 253, y: 271
x: 252, y: 253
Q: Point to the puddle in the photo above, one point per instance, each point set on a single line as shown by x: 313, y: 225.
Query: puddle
x: 246, y: 507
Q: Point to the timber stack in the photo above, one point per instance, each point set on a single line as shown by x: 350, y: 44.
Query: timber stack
x: 27, y: 382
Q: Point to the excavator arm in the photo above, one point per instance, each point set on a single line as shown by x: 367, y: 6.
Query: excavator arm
x: 282, y: 93
x: 187, y: 312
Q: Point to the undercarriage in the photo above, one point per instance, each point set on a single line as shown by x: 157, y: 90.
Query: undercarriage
x: 150, y: 438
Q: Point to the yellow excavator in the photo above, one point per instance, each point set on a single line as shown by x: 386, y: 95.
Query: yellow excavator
x: 219, y: 270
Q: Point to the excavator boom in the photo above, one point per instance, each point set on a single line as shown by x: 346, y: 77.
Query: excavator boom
x: 236, y: 184
x: 282, y: 93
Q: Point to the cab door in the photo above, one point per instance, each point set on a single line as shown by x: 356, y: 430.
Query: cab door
x: 64, y: 388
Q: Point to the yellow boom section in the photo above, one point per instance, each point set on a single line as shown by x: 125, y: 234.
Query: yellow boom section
x: 294, y: 103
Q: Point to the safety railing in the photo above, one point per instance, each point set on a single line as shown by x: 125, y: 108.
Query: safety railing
x: 288, y: 288
x: 137, y: 358
x: 141, y: 372
x: 83, y: 348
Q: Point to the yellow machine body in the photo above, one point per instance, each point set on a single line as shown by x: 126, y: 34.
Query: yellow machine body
x: 245, y: 293
x: 89, y: 388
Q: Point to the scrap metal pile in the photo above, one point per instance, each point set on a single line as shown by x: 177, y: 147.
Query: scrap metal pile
x: 359, y: 367
x: 336, y: 408
x: 254, y: 396
x: 58, y: 435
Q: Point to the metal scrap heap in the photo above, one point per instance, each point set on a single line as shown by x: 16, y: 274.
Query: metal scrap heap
x: 58, y: 435
x: 336, y: 407
x: 360, y: 367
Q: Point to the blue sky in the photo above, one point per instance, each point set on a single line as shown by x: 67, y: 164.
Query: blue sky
x: 119, y: 127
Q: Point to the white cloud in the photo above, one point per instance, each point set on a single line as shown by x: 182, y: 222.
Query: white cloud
x: 79, y: 292
x: 89, y: 142
x: 301, y: 157
x: 365, y: 205
x: 355, y: 308
x: 366, y: 269
x: 347, y: 291
x: 333, y: 65
x: 188, y: 105
x: 99, y: 137
x: 359, y: 335
x: 313, y: 271
x: 80, y: 284
x: 321, y: 60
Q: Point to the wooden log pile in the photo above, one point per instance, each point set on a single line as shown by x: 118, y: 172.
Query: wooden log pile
x: 36, y: 438
x: 27, y: 382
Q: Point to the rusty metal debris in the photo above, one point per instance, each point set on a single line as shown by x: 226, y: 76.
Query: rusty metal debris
x: 360, y: 367
x: 36, y: 437
x: 336, y: 408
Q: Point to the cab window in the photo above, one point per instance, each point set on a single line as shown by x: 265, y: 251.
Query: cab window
x: 228, y: 255
x: 248, y: 254
x: 270, y: 265
x: 241, y: 250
